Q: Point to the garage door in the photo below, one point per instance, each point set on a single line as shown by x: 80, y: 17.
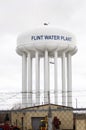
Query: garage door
x: 36, y: 122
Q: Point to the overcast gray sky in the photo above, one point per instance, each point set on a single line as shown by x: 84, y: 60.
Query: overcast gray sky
x: 17, y: 16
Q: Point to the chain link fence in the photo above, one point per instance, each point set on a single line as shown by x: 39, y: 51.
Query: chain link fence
x: 47, y: 117
x: 43, y: 116
x: 79, y: 118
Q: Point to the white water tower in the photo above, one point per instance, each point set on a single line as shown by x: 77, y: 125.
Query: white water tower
x: 46, y: 42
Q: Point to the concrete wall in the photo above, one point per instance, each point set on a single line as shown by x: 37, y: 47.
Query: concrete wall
x: 81, y: 124
x: 65, y: 116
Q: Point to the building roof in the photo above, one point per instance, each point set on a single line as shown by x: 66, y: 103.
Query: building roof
x: 39, y: 108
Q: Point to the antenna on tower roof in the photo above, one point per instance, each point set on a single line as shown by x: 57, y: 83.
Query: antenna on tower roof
x: 46, y: 23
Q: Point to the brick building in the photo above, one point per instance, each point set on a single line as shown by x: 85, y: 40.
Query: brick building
x: 30, y: 117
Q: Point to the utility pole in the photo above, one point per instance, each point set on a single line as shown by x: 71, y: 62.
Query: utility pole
x: 76, y: 102
x: 49, y: 113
